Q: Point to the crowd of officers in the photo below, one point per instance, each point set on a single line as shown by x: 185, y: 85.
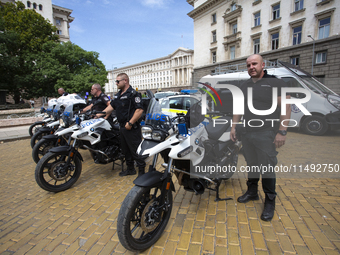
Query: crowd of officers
x: 127, y: 104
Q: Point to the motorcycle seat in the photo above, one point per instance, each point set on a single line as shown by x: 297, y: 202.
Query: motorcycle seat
x: 215, y: 133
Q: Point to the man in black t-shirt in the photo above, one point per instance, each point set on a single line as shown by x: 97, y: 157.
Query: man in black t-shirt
x: 99, y: 101
x: 62, y: 92
x: 129, y: 108
x: 261, y: 137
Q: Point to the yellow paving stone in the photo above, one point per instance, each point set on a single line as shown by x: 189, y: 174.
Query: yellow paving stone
x: 234, y: 249
x: 269, y: 233
x: 286, y: 244
x: 221, y: 241
x: 197, y: 236
x: 156, y: 251
x: 209, y: 231
x: 175, y: 233
x: 251, y: 212
x: 295, y: 237
x: 208, y: 244
x: 242, y: 217
x: 330, y: 233
x: 303, y: 230
x: 119, y: 249
x: 170, y: 248
x: 317, y: 218
x: 233, y: 237
x: 274, y: 247
x: 231, y: 210
x: 72, y: 237
x: 210, y: 221
x: 221, y: 230
x: 194, y: 249
x: 244, y: 230
x: 255, y: 225
x: 188, y: 226
x: 287, y: 223
x: 162, y: 240
x: 220, y: 250
x: 232, y: 222
x: 247, y: 246
x: 221, y: 216
x: 322, y: 240
x: 313, y: 246
x: 108, y: 248
x: 89, y: 242
x: 294, y: 216
x: 184, y: 241
x: 56, y: 241
x: 101, y: 230
x: 59, y: 250
x: 37, y: 248
x: 89, y: 231
x: 212, y: 209
x: 331, y: 252
x: 16, y: 246
x: 278, y: 227
x: 259, y: 241
x: 311, y: 224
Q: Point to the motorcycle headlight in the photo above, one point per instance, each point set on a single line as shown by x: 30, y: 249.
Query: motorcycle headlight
x: 158, y: 136
x: 61, y: 122
x: 147, y: 132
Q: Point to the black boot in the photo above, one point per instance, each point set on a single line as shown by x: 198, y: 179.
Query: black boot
x: 250, y: 195
x: 141, y: 171
x: 269, y: 207
x: 129, y: 171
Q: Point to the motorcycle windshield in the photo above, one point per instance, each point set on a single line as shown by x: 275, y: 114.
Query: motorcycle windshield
x: 156, y: 117
x: 58, y: 109
x: 67, y: 115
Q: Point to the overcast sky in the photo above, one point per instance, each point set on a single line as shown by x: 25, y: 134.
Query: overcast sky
x: 130, y: 31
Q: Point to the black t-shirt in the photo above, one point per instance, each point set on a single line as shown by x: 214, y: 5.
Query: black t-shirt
x: 100, y: 103
x: 262, y: 99
x: 126, y: 104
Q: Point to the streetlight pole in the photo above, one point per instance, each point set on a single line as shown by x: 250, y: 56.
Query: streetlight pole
x: 313, y: 51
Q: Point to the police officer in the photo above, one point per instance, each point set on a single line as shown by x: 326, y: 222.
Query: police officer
x: 99, y: 101
x: 261, y: 138
x: 128, y: 105
x: 62, y: 92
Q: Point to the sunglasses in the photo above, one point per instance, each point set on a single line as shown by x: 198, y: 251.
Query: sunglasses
x: 118, y: 81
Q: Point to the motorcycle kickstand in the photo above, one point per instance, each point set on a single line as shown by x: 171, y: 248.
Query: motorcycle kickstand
x: 217, y: 199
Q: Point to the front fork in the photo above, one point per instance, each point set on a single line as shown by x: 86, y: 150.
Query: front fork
x: 167, y: 185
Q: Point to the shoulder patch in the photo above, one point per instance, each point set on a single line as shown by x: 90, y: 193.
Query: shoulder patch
x: 137, y: 100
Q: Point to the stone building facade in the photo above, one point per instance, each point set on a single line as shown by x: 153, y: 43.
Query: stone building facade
x: 172, y: 72
x: 301, y: 32
x: 58, y: 16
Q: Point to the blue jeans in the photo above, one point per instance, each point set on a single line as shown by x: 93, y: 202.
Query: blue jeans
x: 260, y: 154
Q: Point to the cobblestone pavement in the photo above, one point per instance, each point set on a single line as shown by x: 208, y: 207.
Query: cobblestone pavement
x: 83, y: 219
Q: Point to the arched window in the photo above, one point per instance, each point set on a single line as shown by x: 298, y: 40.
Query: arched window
x: 40, y: 7
x: 28, y: 4
x: 34, y: 6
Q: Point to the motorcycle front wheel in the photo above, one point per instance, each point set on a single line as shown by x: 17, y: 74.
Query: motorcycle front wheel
x: 52, y: 174
x: 141, y: 219
x: 38, y: 136
x: 41, y: 148
x: 34, y: 128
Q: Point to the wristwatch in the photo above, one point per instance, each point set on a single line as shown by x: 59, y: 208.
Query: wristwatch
x: 130, y: 124
x: 282, y: 132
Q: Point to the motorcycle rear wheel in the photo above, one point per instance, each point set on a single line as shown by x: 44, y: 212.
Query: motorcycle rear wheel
x: 137, y: 226
x: 51, y: 174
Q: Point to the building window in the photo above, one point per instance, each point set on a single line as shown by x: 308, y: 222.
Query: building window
x: 213, y: 56
x: 59, y: 32
x: 213, y: 18
x: 275, y: 41
x: 257, y: 19
x: 213, y: 36
x: 276, y: 11
x: 295, y: 60
x: 232, y: 52
x: 34, y: 6
x: 298, y: 5
x: 321, y: 57
x: 234, y: 28
x: 297, y: 33
x: 28, y: 4
x: 324, y: 28
x: 58, y: 22
x: 256, y: 43
x: 40, y: 7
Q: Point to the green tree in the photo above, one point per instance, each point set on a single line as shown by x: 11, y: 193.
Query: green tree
x: 66, y: 65
x: 24, y: 34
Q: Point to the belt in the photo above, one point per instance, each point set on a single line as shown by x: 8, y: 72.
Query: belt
x: 122, y: 124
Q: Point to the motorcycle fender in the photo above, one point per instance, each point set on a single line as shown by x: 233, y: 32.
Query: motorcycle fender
x: 50, y: 137
x: 45, y: 129
x: 65, y: 148
x: 151, y: 179
x: 40, y: 122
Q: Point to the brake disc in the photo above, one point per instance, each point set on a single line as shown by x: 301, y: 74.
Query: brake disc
x: 150, y: 215
x: 57, y: 171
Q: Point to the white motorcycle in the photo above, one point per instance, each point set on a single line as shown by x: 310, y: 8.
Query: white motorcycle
x: 61, y: 166
x: 187, y: 153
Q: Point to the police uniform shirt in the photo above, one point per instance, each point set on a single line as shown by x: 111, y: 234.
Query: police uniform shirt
x: 262, y: 100
x: 100, y: 103
x: 126, y: 104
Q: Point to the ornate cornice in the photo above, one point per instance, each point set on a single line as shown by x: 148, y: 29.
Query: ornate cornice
x: 205, y: 7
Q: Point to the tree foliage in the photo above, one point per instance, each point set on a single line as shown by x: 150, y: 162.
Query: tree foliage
x: 34, y: 63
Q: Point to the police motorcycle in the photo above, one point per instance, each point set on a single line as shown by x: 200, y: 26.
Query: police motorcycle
x: 61, y: 166
x: 51, y: 127
x: 47, y: 118
x: 62, y: 135
x: 184, y: 146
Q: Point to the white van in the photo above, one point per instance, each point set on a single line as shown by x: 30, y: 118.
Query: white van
x: 324, y: 104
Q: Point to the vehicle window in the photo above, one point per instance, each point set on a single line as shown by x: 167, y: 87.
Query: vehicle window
x: 187, y: 103
x: 291, y: 82
x: 176, y: 103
